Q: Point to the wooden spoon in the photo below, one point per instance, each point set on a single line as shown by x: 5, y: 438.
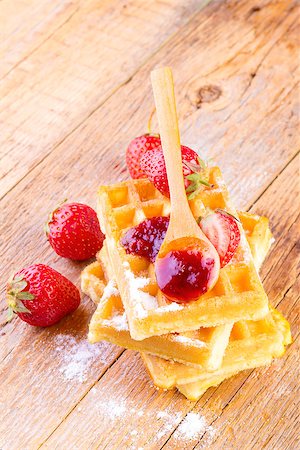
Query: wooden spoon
x: 183, y: 227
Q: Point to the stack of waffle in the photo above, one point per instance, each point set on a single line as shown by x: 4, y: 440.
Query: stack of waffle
x: 190, y: 346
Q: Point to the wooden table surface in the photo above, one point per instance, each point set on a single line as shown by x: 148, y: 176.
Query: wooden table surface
x: 75, y: 89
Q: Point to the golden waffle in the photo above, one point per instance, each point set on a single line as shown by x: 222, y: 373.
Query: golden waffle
x: 205, y: 346
x: 237, y: 295
x: 261, y: 357
x: 251, y: 344
x: 258, y: 235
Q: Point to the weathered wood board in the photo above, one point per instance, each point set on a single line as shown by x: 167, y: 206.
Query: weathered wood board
x: 75, y: 89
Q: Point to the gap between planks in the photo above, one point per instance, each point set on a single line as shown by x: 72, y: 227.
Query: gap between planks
x: 248, y: 207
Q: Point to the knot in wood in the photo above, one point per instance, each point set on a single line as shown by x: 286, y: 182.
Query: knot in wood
x: 208, y: 94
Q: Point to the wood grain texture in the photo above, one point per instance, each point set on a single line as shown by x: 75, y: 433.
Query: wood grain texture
x: 235, y: 68
x: 24, y: 32
x: 77, y: 56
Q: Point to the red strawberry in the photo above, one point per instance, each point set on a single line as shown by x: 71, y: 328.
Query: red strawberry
x: 73, y: 231
x: 136, y: 149
x: 41, y: 296
x: 223, y: 232
x: 194, y: 170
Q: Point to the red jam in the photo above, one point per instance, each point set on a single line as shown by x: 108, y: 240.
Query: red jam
x: 185, y: 274
x: 146, y: 238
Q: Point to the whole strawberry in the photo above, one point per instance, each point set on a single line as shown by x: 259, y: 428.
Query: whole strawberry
x: 194, y: 170
x: 41, y: 296
x: 136, y: 149
x: 73, y: 231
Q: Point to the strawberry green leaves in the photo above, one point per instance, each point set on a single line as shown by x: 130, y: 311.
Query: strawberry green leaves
x: 15, y: 296
x: 41, y: 296
x: 197, y: 179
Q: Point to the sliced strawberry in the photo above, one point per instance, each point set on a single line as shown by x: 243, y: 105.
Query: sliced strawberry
x: 136, y: 149
x: 194, y: 171
x: 223, y: 232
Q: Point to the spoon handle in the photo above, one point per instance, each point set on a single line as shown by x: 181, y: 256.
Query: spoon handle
x: 163, y: 90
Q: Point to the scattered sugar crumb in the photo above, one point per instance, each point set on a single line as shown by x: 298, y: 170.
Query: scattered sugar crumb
x: 193, y: 427
x: 76, y: 356
x: 169, y: 421
x: 115, y: 409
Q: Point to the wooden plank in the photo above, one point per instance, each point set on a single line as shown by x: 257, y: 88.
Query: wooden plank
x: 71, y: 68
x: 47, y: 375
x: 235, y: 409
x: 134, y: 405
x: 217, y: 119
x: 269, y: 133
x: 22, y: 33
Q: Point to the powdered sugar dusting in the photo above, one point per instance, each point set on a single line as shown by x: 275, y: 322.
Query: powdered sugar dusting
x: 140, y: 311
x: 110, y: 290
x: 115, y: 409
x: 76, y: 357
x: 165, y: 421
x: 144, y: 301
x: 136, y: 282
x: 169, y: 422
x: 193, y: 427
x: 188, y: 341
x: 173, y: 306
x: 118, y: 321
